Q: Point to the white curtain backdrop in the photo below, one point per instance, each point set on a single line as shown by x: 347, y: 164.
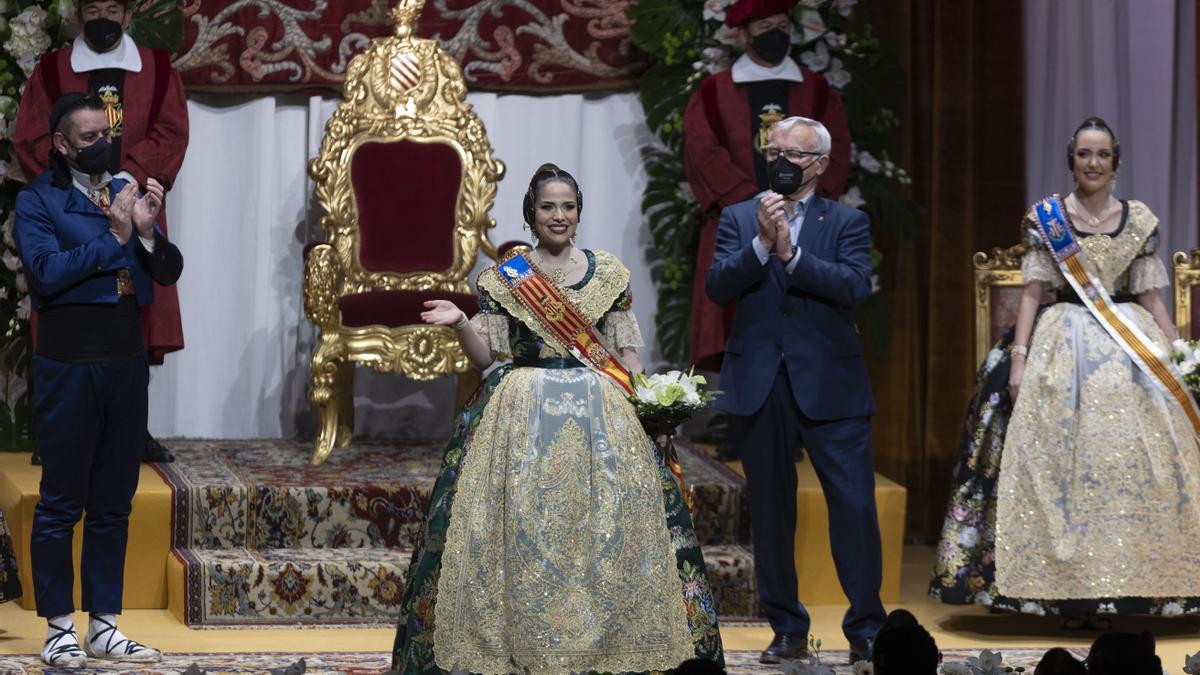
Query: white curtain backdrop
x: 1131, y: 62
x: 241, y: 212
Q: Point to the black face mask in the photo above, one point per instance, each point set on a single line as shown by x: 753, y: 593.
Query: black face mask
x: 93, y: 160
x: 786, y: 178
x: 772, y: 46
x: 102, y: 34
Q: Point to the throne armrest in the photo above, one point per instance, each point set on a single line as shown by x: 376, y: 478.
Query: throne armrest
x: 322, y: 278
x: 1187, y: 285
x: 998, y: 286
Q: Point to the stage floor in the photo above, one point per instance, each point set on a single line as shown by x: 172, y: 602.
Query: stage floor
x: 952, y: 627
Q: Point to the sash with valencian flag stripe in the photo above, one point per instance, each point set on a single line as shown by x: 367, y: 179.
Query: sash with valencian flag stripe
x: 561, y: 322
x: 1052, y: 224
x: 560, y: 319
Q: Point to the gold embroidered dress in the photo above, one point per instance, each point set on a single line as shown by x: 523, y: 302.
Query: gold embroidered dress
x: 1100, y: 473
x: 562, y: 544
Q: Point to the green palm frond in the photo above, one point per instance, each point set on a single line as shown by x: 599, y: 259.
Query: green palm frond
x: 158, y: 24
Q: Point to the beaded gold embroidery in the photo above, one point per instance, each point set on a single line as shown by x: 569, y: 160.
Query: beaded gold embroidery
x: 1099, y: 474
x: 593, y: 300
x: 557, y: 556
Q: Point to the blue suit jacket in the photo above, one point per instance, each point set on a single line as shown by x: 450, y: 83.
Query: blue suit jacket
x: 69, y: 255
x: 802, y: 318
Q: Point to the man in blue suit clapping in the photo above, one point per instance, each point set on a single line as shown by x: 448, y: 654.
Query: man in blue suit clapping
x: 90, y: 249
x: 797, y: 265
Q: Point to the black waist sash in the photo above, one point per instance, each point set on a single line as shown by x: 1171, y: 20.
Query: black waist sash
x: 552, y: 362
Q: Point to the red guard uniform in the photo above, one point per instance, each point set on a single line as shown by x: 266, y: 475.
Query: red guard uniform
x: 725, y: 126
x: 148, y: 111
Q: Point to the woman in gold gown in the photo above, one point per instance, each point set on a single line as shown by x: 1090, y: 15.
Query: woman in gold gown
x: 556, y: 539
x: 1098, y: 504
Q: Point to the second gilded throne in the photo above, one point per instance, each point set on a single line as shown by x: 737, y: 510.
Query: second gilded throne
x: 407, y: 179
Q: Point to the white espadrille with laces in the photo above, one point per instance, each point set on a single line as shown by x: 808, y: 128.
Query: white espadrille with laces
x: 61, y: 649
x: 104, y: 641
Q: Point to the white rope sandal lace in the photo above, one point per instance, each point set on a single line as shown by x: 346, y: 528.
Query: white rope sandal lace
x: 109, y: 643
x: 62, y: 648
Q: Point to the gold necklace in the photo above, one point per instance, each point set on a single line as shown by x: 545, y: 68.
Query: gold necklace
x: 1093, y: 222
x: 557, y: 274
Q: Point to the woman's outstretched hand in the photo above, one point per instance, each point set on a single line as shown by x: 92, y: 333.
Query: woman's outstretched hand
x: 442, y: 313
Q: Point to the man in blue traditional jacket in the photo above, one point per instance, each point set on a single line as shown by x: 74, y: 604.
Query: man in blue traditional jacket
x: 90, y: 249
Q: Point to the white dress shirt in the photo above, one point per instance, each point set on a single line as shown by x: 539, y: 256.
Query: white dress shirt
x: 746, y: 70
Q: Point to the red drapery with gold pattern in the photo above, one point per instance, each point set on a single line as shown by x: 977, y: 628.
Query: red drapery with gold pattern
x: 534, y: 46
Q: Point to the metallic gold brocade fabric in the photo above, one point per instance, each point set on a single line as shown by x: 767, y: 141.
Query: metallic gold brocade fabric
x: 1100, y: 471
x: 557, y: 557
x: 1125, y: 262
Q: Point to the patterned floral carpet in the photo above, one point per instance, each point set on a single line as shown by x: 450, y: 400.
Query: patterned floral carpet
x: 738, y: 663
x: 267, y: 539
x: 747, y: 662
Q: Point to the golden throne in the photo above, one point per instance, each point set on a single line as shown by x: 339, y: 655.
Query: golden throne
x: 406, y: 178
x: 1187, y: 285
x: 998, y: 288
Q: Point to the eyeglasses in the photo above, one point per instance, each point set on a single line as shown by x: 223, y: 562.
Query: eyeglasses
x: 794, y: 156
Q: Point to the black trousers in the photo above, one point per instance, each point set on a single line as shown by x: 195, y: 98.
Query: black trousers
x: 90, y: 420
x: 840, y: 451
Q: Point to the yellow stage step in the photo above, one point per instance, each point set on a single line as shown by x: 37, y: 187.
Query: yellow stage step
x: 817, y: 577
x: 149, y: 532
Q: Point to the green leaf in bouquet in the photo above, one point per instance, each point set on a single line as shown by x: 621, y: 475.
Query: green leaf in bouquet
x: 158, y: 24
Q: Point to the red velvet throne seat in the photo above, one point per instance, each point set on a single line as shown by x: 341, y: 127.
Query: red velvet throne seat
x: 998, y: 287
x: 407, y: 179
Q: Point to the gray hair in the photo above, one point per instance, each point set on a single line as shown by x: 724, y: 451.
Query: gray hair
x: 824, y: 141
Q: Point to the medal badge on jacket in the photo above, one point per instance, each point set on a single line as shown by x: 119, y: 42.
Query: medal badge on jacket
x: 112, y: 106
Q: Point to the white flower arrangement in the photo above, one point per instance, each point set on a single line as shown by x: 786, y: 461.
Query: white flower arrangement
x: 673, y: 388
x: 813, y: 665
x: 864, y: 668
x: 987, y: 663
x: 1191, y: 664
x: 1185, y: 358
x: 853, y: 197
x: 28, y: 38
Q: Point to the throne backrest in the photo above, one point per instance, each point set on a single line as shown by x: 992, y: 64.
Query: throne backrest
x: 1187, y: 293
x: 998, y: 287
x: 405, y: 173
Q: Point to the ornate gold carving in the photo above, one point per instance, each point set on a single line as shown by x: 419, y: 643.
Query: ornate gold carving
x: 400, y: 88
x: 1001, y: 267
x: 1001, y: 258
x: 1187, y: 275
x: 321, y: 271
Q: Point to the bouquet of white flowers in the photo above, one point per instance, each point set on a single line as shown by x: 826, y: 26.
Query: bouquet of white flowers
x: 1185, y: 356
x: 663, y: 402
x: 666, y: 400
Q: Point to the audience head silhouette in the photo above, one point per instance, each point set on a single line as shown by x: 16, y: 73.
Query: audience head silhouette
x: 1118, y: 653
x: 1059, y: 661
x: 699, y: 667
x: 904, y: 647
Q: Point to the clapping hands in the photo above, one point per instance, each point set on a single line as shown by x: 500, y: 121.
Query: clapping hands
x: 773, y: 227
x: 130, y: 210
